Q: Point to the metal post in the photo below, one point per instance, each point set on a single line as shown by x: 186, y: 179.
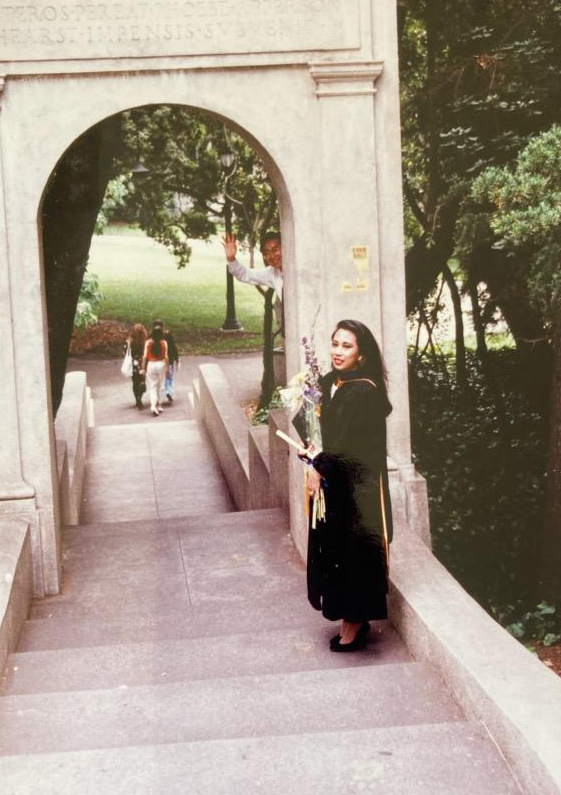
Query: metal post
x: 231, y: 323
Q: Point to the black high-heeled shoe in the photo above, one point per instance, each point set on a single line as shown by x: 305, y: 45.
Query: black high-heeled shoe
x: 359, y: 641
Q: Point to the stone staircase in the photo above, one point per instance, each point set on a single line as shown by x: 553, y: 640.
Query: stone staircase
x: 182, y: 657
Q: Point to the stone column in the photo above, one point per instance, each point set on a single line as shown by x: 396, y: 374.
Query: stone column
x: 338, y: 270
x: 349, y: 228
x: 17, y: 498
x: 362, y: 229
x: 392, y: 265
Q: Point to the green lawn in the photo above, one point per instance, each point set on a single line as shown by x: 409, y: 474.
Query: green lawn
x: 139, y: 281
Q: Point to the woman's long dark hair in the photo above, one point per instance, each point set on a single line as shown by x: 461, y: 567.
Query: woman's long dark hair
x: 157, y: 336
x: 372, y: 365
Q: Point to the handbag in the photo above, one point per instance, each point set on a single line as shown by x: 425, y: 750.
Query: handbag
x: 126, y: 367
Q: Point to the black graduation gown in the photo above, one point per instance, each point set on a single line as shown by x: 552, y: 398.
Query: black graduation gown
x: 347, y: 567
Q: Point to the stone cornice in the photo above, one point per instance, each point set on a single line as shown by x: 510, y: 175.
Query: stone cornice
x: 345, y: 78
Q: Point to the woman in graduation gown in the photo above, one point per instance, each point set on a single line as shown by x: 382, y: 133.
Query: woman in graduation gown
x: 348, y: 552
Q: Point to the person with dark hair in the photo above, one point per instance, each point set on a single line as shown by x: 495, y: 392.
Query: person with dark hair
x: 348, y: 552
x: 155, y: 365
x: 173, y: 356
x: 270, y: 275
x: 137, y: 340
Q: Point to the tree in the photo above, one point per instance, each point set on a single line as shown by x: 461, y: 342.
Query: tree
x: 526, y: 222
x: 478, y: 79
x: 181, y: 195
x: 72, y: 202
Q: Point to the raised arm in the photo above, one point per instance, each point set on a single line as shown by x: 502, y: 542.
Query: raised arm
x: 230, y: 245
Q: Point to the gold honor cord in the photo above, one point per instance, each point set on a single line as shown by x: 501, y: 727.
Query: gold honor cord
x: 384, y: 522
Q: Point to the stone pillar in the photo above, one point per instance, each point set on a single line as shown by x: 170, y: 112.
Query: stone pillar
x: 340, y: 276
x: 18, y: 498
x: 390, y: 226
x: 349, y: 228
x: 392, y: 264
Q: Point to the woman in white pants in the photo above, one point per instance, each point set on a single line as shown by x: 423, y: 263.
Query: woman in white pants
x: 155, y: 364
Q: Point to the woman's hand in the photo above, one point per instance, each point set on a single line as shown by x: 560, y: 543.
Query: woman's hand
x: 303, y: 454
x: 314, y: 482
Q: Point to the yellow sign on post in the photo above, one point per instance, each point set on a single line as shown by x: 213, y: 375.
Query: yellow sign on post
x: 357, y: 280
x: 361, y: 257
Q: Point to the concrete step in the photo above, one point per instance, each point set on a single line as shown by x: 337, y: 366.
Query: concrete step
x: 149, y: 624
x: 152, y: 471
x: 274, y: 651
x: 143, y: 557
x: 247, y: 706
x: 269, y: 519
x: 131, y: 576
x: 389, y: 761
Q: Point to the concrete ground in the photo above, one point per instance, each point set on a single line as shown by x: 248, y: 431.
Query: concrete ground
x: 182, y: 655
x: 114, y: 400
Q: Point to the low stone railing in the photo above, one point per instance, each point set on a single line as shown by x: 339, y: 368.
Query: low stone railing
x: 74, y: 416
x: 494, y: 678
x: 253, y: 459
x: 16, y: 583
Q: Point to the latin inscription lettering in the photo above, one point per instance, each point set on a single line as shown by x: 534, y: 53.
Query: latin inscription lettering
x: 201, y: 25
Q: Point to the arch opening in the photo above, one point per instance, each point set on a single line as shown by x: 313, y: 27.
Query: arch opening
x: 76, y: 193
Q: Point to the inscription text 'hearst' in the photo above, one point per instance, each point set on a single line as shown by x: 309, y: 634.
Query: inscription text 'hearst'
x: 46, y: 30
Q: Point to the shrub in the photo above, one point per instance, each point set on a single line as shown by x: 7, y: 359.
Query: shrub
x: 483, y: 453
x: 88, y: 301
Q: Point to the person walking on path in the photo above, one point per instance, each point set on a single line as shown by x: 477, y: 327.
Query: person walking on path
x: 348, y: 552
x: 155, y: 365
x: 269, y: 276
x: 137, y: 341
x: 173, y: 357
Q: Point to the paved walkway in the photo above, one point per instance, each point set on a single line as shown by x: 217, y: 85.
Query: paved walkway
x: 151, y: 470
x: 114, y: 401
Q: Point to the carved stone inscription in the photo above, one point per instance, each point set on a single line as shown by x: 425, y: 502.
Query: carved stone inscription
x: 50, y: 30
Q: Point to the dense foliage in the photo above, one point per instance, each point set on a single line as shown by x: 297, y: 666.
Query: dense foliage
x: 182, y: 189
x: 483, y: 452
x: 481, y: 101
x: 479, y: 78
x: 89, y: 299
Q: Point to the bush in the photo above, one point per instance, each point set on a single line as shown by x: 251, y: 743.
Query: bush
x: 88, y: 301
x: 483, y: 453
x: 261, y: 417
x: 542, y: 624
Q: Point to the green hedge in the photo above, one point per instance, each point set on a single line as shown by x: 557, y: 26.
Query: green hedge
x: 483, y: 453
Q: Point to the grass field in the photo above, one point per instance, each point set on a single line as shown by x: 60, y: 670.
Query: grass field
x: 139, y: 281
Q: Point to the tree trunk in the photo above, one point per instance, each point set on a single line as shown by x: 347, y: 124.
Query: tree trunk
x: 506, y: 280
x: 268, y: 380
x: 425, y: 260
x: 461, y: 370
x: 72, y: 202
x: 478, y: 324
x: 551, y: 549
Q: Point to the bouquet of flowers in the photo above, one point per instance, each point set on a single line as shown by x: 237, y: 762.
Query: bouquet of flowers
x: 302, y: 395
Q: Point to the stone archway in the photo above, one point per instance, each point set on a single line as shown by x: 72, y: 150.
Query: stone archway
x: 72, y: 200
x: 311, y: 84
